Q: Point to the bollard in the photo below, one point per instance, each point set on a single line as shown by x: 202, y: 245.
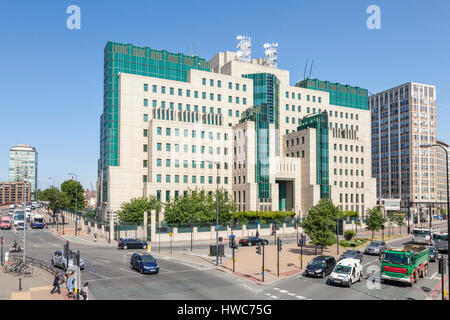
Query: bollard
x: 20, y: 283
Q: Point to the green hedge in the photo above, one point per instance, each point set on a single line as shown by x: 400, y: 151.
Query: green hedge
x: 262, y: 216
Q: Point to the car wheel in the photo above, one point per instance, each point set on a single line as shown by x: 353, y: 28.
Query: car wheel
x: 53, y: 263
x: 144, y: 247
x: 360, y: 277
x: 425, y: 271
x: 131, y: 266
x: 64, y: 267
x: 125, y: 247
x: 142, y: 270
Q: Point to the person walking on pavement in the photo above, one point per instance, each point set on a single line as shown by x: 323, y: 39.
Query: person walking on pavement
x: 56, y: 282
x: 84, y: 291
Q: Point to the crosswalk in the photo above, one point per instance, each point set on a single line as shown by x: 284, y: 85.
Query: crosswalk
x: 285, y: 294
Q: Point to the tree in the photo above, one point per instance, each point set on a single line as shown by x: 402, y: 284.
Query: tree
x: 133, y: 211
x: 199, y: 206
x: 75, y: 193
x: 57, y: 200
x: 375, y: 220
x: 399, y: 219
x: 321, y: 222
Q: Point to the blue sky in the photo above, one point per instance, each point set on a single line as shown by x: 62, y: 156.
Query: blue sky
x: 52, y: 77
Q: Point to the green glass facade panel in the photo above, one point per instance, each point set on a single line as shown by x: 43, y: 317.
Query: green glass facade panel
x: 340, y: 94
x: 320, y: 123
x: 266, y: 89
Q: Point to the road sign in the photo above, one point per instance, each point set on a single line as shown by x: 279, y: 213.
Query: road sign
x: 170, y: 234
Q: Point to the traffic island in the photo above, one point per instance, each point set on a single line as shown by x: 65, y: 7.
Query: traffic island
x: 248, y: 264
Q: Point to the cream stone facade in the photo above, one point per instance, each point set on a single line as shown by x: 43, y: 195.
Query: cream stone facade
x: 169, y: 130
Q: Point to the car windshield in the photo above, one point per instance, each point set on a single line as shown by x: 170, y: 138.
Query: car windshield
x: 440, y: 237
x: 317, y: 262
x: 342, y: 269
x: 432, y: 249
x: 19, y: 217
x: 148, y: 259
x: 375, y: 244
x: 38, y: 220
x: 421, y: 232
x: 396, y: 258
x: 350, y: 252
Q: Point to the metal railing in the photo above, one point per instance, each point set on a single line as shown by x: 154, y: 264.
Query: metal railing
x: 35, y: 262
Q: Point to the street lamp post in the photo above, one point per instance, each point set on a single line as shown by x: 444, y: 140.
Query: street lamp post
x: 76, y: 201
x: 448, y: 197
x: 217, y: 211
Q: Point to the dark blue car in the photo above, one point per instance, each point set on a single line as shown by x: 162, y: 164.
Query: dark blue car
x: 144, y: 263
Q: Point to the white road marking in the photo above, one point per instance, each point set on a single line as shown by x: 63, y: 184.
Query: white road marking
x: 291, y: 294
x: 268, y: 294
x: 97, y: 274
x: 434, y: 275
x: 301, y: 297
x: 274, y: 297
x: 127, y: 270
x: 276, y: 288
x: 115, y: 278
x: 283, y: 291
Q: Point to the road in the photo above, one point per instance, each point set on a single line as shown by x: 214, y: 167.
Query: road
x: 109, y: 276
x: 371, y: 288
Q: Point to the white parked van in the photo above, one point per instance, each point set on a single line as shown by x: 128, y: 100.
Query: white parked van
x: 422, y: 235
x: 346, y: 272
x: 19, y: 216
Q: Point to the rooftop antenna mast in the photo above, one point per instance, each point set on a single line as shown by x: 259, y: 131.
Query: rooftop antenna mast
x: 310, y: 69
x: 271, y: 54
x: 189, y: 50
x: 304, y: 71
x: 245, y: 48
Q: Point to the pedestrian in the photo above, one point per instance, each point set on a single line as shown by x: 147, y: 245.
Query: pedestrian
x: 84, y: 291
x: 56, y: 282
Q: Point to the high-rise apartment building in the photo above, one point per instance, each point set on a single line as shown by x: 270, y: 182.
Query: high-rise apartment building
x: 241, y: 124
x: 23, y: 162
x: 403, y: 118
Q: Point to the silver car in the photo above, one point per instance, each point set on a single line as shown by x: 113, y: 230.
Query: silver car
x: 376, y: 247
x: 59, y: 260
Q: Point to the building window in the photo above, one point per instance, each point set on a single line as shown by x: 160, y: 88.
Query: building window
x: 177, y: 178
x: 177, y: 163
x: 144, y: 178
x: 168, y: 163
x: 158, y: 178
x: 154, y: 88
x: 145, y: 148
x: 145, y: 102
x: 185, y: 179
x: 219, y: 83
x: 168, y: 178
x: 203, y: 81
x: 158, y: 162
x: 158, y: 147
x: 163, y: 89
x: 145, y: 87
x: 145, y: 132
x: 145, y: 163
x: 171, y: 91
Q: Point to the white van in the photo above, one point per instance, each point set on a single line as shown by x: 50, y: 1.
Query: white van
x: 422, y: 235
x: 19, y: 216
x: 346, y: 272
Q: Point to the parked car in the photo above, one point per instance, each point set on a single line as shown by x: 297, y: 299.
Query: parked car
x: 252, y: 241
x: 144, y: 263
x: 434, y: 254
x: 376, y: 247
x: 346, y: 272
x: 354, y: 254
x: 10, y: 212
x: 5, y: 222
x: 59, y: 260
x: 131, y: 244
x: 320, y: 266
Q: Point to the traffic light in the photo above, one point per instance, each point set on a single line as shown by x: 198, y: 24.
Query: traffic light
x: 258, y: 248
x: 442, y: 266
x: 66, y: 250
x: 76, y: 259
x: 279, y: 244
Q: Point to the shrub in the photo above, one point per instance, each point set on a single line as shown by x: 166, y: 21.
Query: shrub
x: 349, y: 234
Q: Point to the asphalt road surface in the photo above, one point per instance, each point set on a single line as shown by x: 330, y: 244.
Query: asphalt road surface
x: 109, y: 276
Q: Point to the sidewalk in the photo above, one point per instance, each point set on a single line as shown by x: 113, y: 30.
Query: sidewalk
x: 35, y: 287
